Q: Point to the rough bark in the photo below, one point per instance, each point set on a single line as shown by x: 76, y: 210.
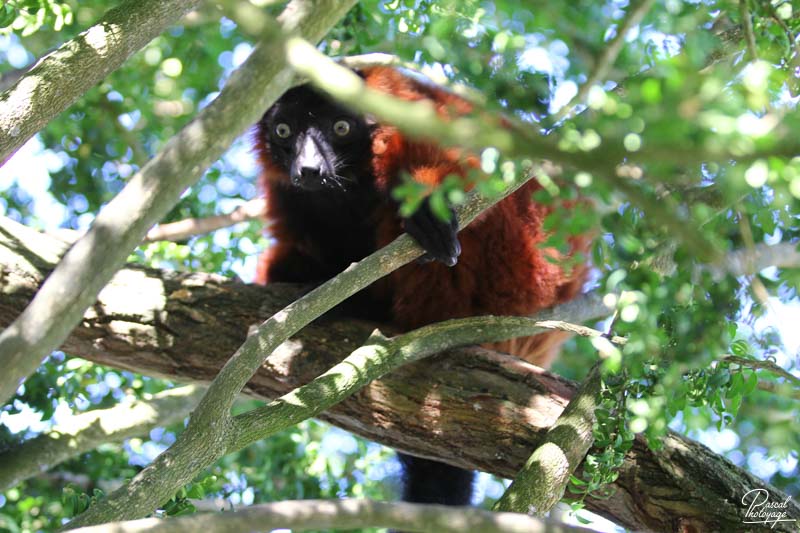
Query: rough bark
x: 541, y: 483
x: 496, y: 407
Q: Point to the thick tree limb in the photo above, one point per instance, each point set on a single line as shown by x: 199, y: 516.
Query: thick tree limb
x: 495, y: 406
x: 83, y: 432
x: 751, y: 261
x: 540, y: 485
x: 302, y: 515
x: 52, y: 85
x: 151, y: 192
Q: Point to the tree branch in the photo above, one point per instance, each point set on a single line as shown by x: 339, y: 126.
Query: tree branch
x: 540, y: 485
x: 380, y: 355
x: 496, y: 407
x: 189, y: 227
x: 793, y: 58
x: 781, y: 389
x: 751, y: 261
x: 83, y: 432
x: 151, y: 192
x: 302, y: 515
x: 769, y: 366
x: 602, y: 66
x: 747, y: 23
x: 51, y: 86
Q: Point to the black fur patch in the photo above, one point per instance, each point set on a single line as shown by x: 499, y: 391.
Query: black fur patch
x: 426, y: 481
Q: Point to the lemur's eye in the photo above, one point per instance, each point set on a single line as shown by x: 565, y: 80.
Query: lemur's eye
x: 283, y: 130
x: 341, y: 128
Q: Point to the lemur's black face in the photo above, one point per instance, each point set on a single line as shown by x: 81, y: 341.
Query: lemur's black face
x: 320, y: 144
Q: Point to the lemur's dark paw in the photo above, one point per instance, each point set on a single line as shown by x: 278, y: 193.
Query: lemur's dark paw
x: 438, y: 238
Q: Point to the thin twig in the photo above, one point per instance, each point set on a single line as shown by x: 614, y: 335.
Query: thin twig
x: 758, y: 364
x: 607, y: 58
x: 189, y: 227
x: 749, y: 36
x: 793, y: 60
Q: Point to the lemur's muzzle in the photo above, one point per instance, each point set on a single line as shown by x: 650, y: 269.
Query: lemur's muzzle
x: 310, y: 169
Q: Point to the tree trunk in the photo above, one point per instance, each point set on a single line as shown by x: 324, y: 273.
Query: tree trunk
x: 495, y: 407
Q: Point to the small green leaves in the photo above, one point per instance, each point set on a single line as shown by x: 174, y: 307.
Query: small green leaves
x: 76, y: 501
x: 27, y: 17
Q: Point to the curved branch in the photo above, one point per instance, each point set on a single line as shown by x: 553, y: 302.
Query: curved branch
x: 302, y: 515
x: 379, y: 355
x: 747, y: 23
x: 83, y: 432
x: 769, y: 366
x: 210, y: 426
x: 51, y: 85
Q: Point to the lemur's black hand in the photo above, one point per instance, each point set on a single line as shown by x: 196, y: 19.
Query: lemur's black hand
x: 438, y: 238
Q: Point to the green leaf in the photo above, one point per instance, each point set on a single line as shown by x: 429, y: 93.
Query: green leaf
x: 751, y: 384
x: 735, y: 387
x: 741, y: 348
x: 439, y: 205
x: 734, y: 404
x: 7, y: 16
x: 577, y: 481
x: 196, y: 492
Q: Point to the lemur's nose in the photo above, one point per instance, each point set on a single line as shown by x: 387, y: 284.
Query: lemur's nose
x: 309, y: 172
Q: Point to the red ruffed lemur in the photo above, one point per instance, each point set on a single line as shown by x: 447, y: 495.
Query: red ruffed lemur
x: 328, y: 175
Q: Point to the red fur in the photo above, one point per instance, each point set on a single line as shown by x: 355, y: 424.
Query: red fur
x: 270, y: 176
x: 502, y: 269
